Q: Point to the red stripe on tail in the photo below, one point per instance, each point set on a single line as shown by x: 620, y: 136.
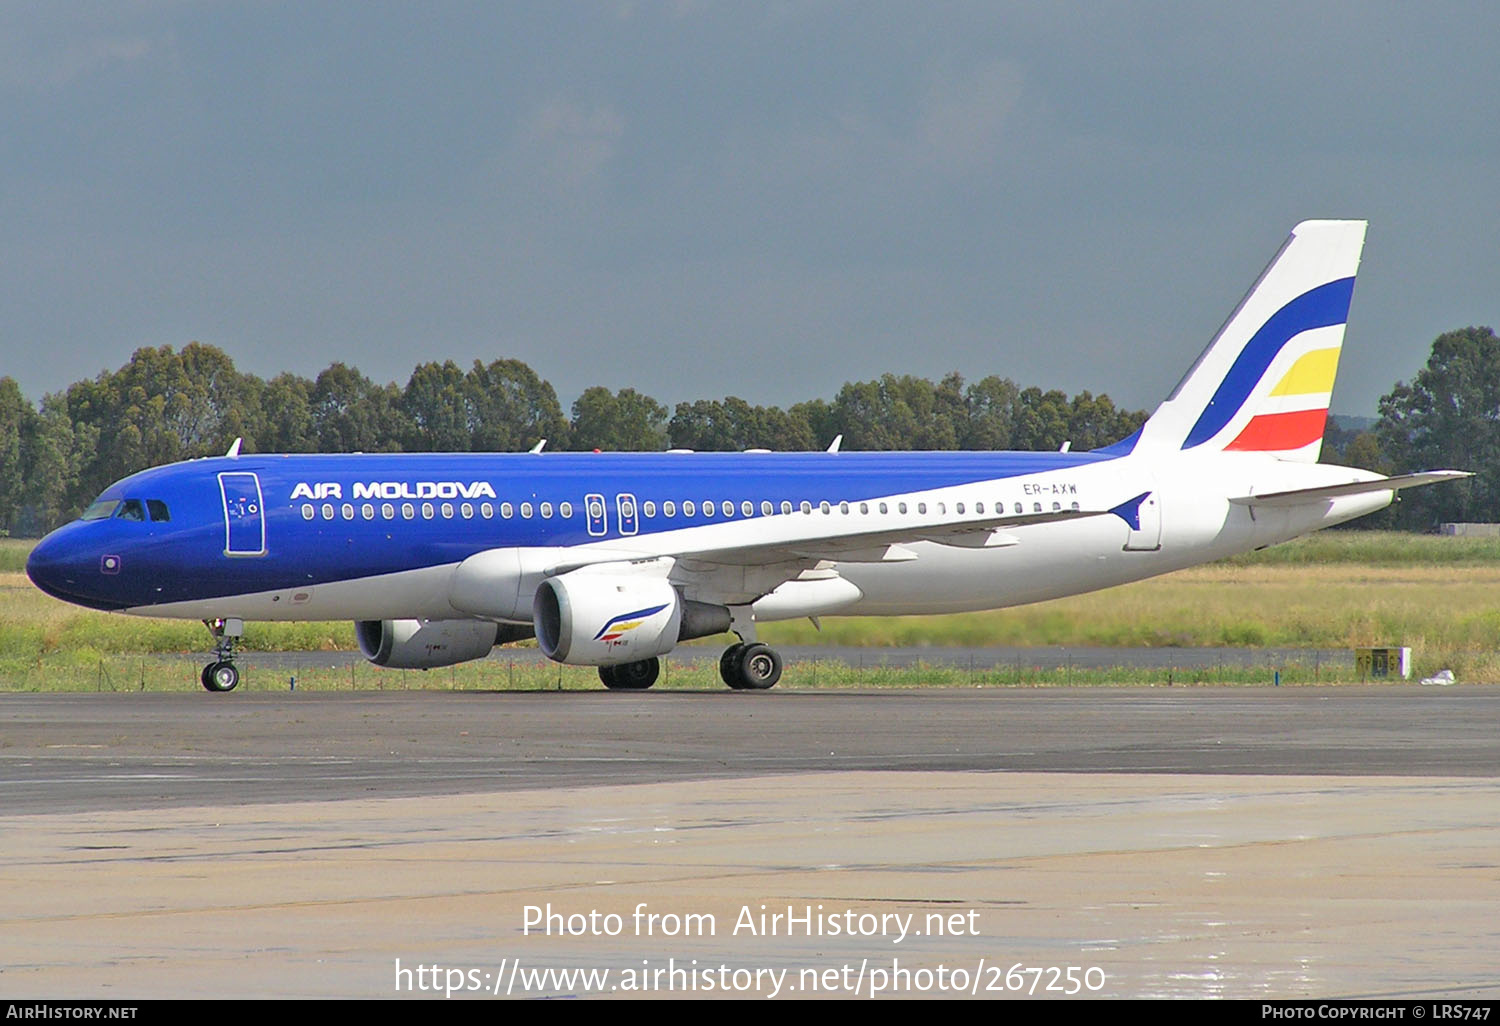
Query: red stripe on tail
x: 1277, y: 432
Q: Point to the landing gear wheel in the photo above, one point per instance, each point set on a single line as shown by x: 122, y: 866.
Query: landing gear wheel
x: 729, y: 665
x: 220, y: 676
x: 753, y: 667
x: 636, y: 676
x: 760, y: 667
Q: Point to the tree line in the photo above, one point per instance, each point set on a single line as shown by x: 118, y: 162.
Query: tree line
x: 167, y: 405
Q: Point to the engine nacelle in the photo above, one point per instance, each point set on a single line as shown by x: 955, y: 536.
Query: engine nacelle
x: 593, y: 618
x: 423, y: 644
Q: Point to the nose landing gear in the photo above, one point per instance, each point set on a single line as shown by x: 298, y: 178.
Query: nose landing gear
x: 221, y: 674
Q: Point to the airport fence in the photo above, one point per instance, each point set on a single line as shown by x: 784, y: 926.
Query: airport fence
x: 697, y: 670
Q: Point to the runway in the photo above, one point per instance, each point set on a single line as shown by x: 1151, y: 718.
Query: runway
x: 74, y: 753
x: 1249, y: 842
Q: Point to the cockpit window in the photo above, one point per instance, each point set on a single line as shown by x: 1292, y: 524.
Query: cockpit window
x: 102, y: 509
x: 132, y: 509
x: 158, y: 510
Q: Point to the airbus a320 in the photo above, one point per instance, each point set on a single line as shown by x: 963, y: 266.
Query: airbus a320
x: 613, y: 559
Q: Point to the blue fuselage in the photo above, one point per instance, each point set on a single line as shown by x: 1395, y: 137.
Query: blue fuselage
x: 227, y: 526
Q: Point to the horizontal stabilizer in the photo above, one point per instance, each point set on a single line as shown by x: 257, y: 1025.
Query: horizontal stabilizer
x: 1305, y: 496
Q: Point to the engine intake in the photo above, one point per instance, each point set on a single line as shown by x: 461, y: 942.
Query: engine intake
x: 599, y: 618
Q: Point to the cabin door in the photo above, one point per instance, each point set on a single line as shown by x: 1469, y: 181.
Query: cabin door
x: 244, y: 514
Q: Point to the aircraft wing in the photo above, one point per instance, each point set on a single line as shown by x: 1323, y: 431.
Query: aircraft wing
x: 810, y: 537
x: 1305, y: 496
x: 876, y: 545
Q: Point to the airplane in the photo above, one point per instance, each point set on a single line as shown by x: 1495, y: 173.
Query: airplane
x: 613, y: 559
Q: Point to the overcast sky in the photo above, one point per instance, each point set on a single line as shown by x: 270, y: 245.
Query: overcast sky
x: 699, y: 199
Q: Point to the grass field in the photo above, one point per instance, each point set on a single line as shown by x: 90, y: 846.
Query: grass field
x: 1441, y: 596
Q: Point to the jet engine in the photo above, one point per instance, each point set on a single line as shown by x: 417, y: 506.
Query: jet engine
x: 592, y: 617
x: 423, y: 644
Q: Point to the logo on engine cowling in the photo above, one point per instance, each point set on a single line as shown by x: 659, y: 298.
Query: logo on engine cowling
x: 623, y: 624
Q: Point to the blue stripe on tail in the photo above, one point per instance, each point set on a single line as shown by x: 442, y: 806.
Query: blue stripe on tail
x: 1321, y: 307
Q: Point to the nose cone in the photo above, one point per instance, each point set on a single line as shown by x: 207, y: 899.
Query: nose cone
x: 66, y: 567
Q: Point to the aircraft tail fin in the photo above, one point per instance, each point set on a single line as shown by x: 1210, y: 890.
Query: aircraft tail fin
x: 1264, y: 382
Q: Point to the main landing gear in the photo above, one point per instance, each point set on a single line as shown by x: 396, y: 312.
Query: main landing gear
x: 222, y: 674
x: 745, y: 666
x: 636, y: 676
x: 748, y: 665
x: 753, y: 667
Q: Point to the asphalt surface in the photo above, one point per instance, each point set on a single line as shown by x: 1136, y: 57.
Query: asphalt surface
x: 83, y: 752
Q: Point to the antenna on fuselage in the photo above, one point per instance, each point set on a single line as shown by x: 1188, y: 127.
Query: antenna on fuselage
x: 833, y: 446
x: 538, y: 447
x: 234, y: 450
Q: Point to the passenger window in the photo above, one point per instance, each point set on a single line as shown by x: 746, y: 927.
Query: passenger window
x: 327, y: 511
x: 806, y: 506
x: 408, y: 511
x: 843, y: 507
x: 566, y: 511
x: 487, y: 510
x: 158, y: 510
x: 1018, y: 507
x: 864, y: 507
x: 748, y: 508
x: 447, y: 511
x: 708, y: 509
x: 467, y: 509
x: 526, y: 510
x: 347, y: 511
x: 131, y: 509
x: 884, y: 508
x: 507, y: 510
x: 901, y: 507
x: 547, y: 510
x: 921, y: 507
x: 958, y: 508
x: 669, y: 508
x: 387, y: 511
x: 786, y: 507
x: 727, y: 507
x: 824, y: 507
x: 688, y: 509
x: 307, y: 511
x: 766, y: 509
x: 367, y: 511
